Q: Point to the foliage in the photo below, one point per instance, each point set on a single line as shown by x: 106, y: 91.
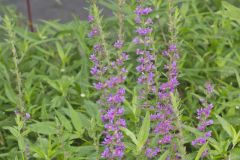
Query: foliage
x: 65, y: 121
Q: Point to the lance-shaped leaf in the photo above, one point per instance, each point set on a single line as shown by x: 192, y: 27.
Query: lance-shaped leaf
x: 144, y: 132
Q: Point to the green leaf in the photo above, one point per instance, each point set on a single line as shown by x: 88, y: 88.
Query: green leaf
x: 76, y: 121
x: 130, y: 134
x: 61, y: 52
x: 231, y: 11
x: 164, y: 155
x: 234, y: 154
x: 21, y: 143
x: 237, y: 77
x: 52, y: 83
x: 85, y: 122
x: 83, y: 150
x: 144, y: 132
x: 14, y: 131
x: 190, y: 156
x: 10, y: 93
x: 91, y: 108
x: 135, y: 100
x: 236, y: 138
x: 46, y: 127
x: 193, y: 130
x: 65, y: 122
x: 130, y: 146
x: 201, y: 150
x: 227, y: 126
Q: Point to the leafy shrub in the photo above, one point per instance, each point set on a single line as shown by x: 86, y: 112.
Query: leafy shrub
x: 53, y: 107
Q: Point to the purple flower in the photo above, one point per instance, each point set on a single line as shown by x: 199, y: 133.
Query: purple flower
x: 27, y: 116
x: 163, y: 127
x: 119, y: 151
x: 172, y: 48
x: 106, y: 153
x: 149, y: 21
x: 138, y: 19
x: 120, y: 111
x: 117, y: 98
x: 200, y: 141
x: 108, y: 139
x: 209, y: 88
x: 140, y: 52
x: 150, y: 153
x: 111, y: 127
x: 119, y: 62
x: 124, y: 56
x: 205, y: 153
x: 118, y: 44
x: 110, y: 115
x: 157, y: 116
x: 121, y: 122
x: 124, y: 70
x: 203, y: 115
x: 97, y: 48
x: 143, y: 11
x: 94, y: 32
x: 204, y: 124
x: 113, y: 81
x: 93, y: 58
x: 136, y: 40
x: 208, y: 134
x: 204, y: 112
x: 94, y: 70
x: 90, y: 18
x: 166, y: 139
x: 144, y: 31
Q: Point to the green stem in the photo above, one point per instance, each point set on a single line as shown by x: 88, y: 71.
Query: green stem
x: 9, y: 27
x: 101, y: 32
x: 174, y: 100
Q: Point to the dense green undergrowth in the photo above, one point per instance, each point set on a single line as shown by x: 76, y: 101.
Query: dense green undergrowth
x: 57, y: 87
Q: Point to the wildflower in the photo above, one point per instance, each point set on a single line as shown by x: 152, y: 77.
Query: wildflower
x: 97, y: 48
x: 27, y: 116
x: 118, y: 44
x: 94, y: 70
x: 98, y: 85
x: 202, y: 116
x: 150, y: 153
x: 144, y: 31
x: 136, y: 40
x: 209, y: 88
x: 143, y: 11
x: 90, y: 18
x: 165, y: 53
x: 94, y: 32
x: 149, y: 21
x: 166, y: 139
x: 108, y: 77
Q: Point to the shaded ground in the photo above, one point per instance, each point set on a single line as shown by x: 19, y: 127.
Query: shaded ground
x: 53, y: 9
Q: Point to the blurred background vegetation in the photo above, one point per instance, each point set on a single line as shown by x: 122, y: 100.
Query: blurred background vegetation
x: 63, y: 10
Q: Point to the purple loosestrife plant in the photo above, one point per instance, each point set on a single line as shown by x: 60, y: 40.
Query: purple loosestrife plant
x: 109, y: 75
x: 164, y: 118
x: 161, y: 111
x: 165, y: 115
x: 146, y: 58
x: 161, y: 124
x: 204, y: 121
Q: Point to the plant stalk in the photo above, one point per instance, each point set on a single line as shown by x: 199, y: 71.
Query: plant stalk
x: 29, y: 12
